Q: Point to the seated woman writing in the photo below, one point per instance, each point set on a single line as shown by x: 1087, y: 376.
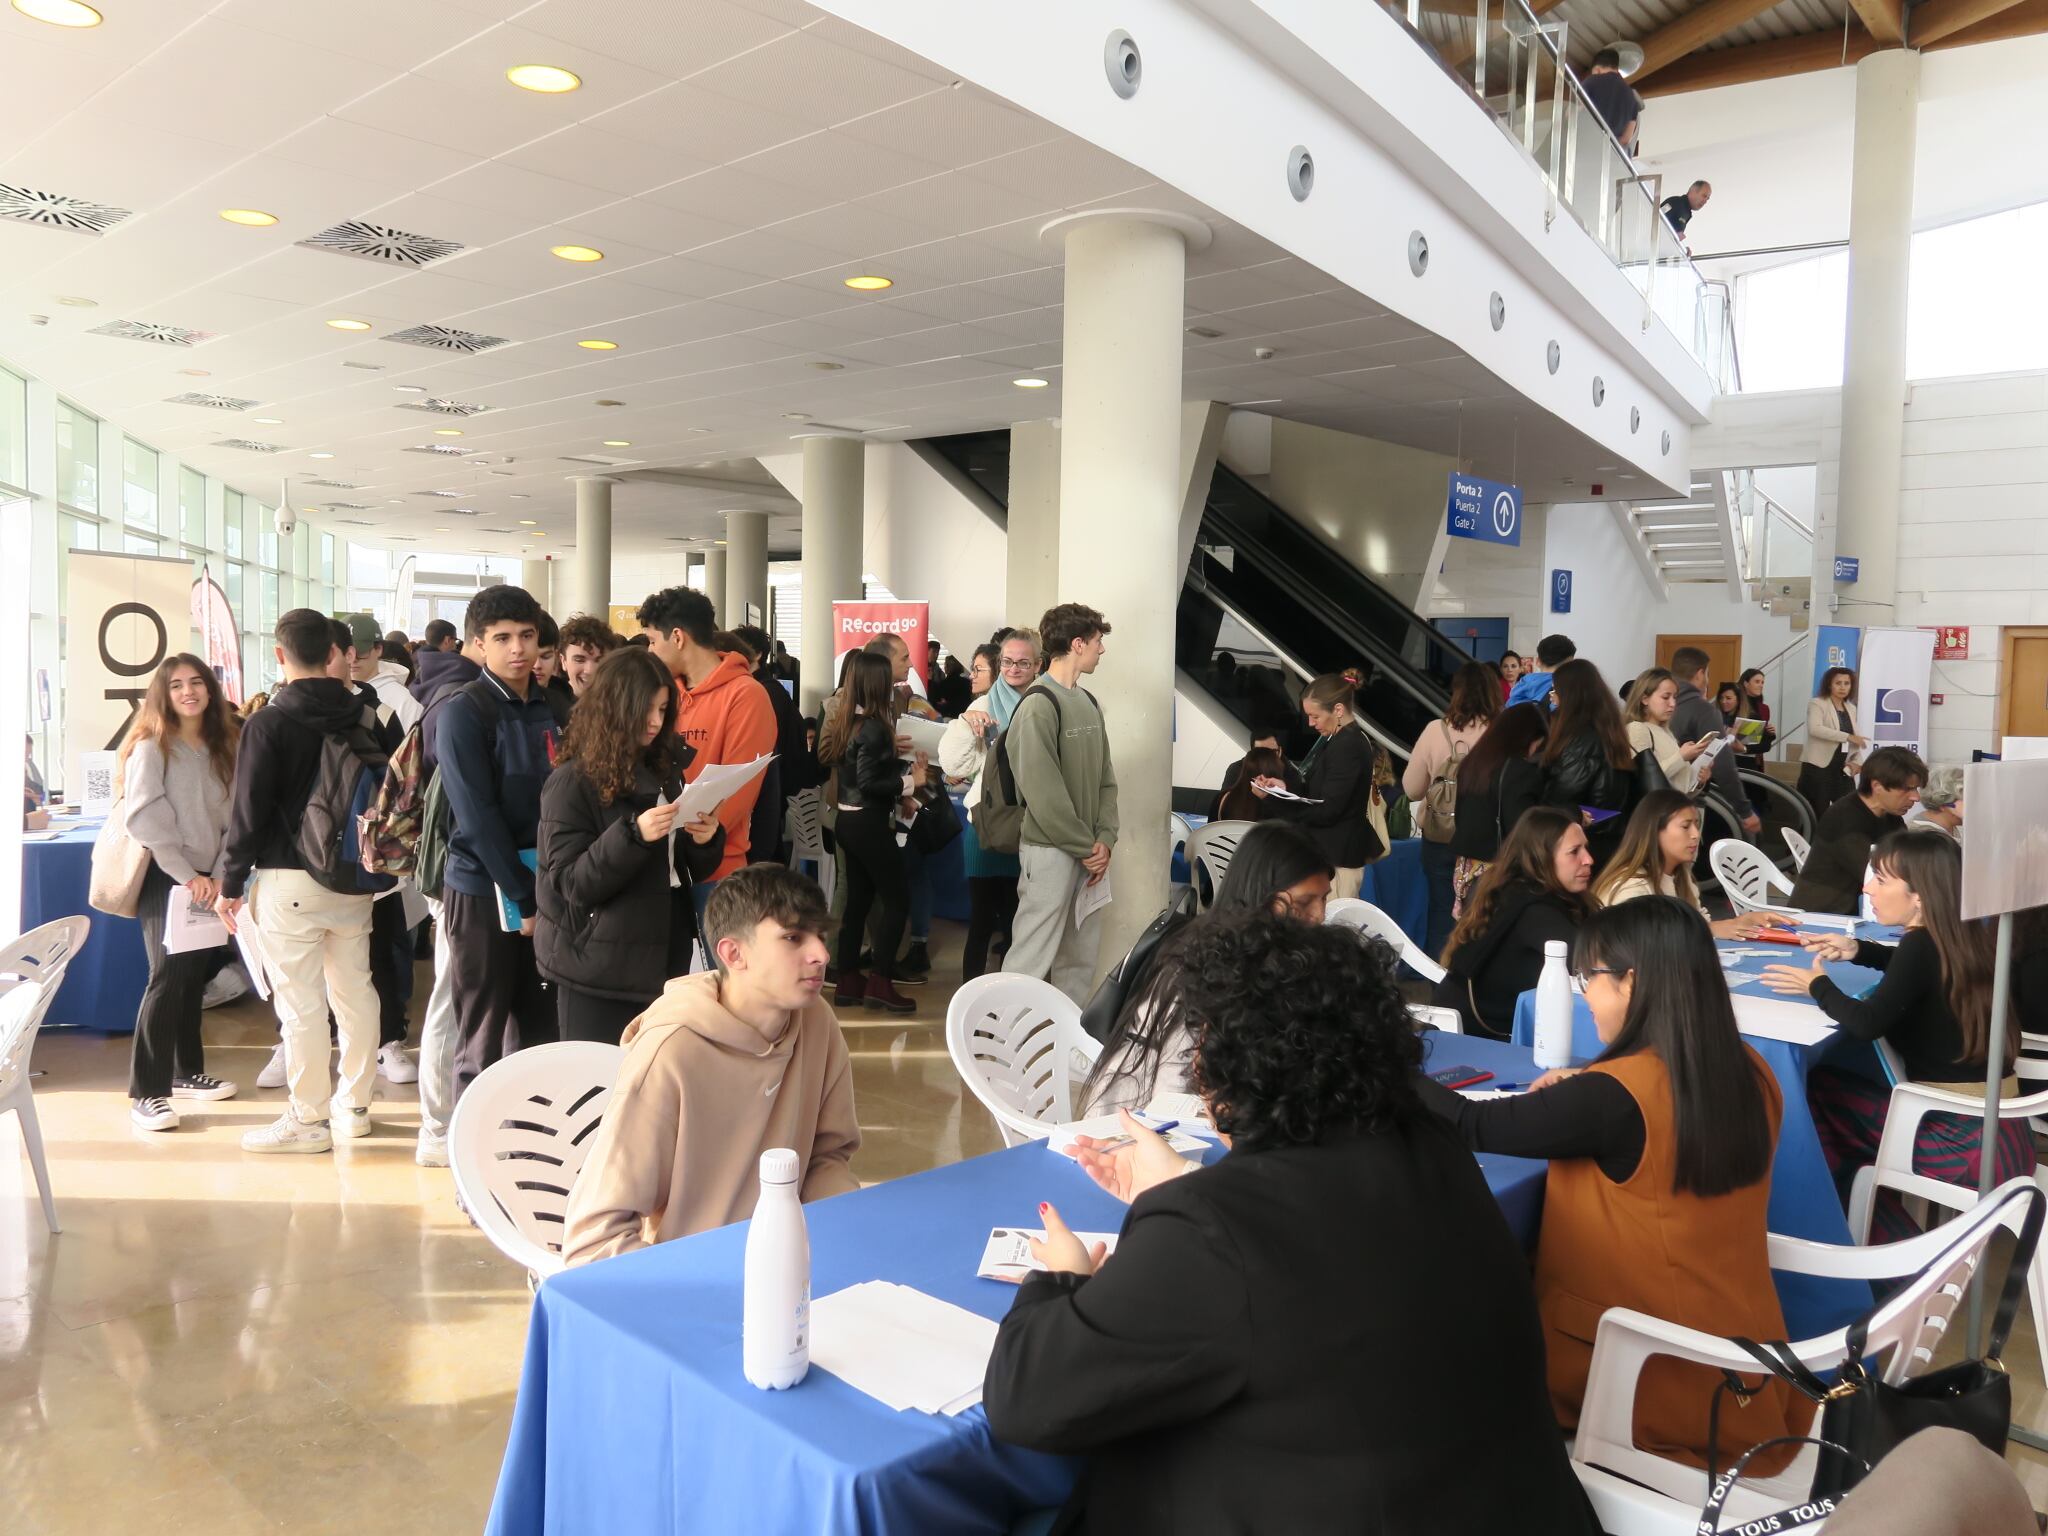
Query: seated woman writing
x: 1656, y: 856
x: 1533, y: 891
x: 1332, y: 1328
x: 1933, y: 1008
x: 1660, y: 1175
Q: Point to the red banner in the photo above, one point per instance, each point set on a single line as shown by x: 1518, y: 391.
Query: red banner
x: 854, y: 624
x: 218, y: 637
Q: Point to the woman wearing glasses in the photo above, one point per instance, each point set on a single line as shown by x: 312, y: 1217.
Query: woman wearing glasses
x: 1002, y: 670
x: 1660, y: 1174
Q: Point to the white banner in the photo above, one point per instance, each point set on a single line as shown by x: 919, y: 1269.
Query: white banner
x: 123, y: 615
x: 1893, y: 687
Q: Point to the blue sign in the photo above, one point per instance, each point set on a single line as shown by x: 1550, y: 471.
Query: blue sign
x: 1560, y: 591
x: 1486, y: 510
x: 1846, y: 567
x: 1834, y: 645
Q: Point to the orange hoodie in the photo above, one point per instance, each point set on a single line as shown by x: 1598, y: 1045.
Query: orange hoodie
x: 728, y: 719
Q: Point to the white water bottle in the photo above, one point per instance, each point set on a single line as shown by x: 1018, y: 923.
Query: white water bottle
x: 1554, y: 1009
x: 775, y: 1329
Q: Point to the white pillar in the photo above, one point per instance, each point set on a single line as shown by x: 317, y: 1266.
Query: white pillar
x: 1874, y: 360
x: 590, y: 585
x: 533, y: 575
x: 746, y: 567
x: 1120, y: 504
x: 715, y: 568
x: 833, y: 492
x: 1033, y: 565
x: 693, y: 570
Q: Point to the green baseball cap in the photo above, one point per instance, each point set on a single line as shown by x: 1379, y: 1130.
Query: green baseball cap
x: 363, y: 628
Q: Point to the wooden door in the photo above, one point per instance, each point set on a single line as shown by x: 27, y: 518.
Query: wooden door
x: 1724, y: 653
x: 2023, y: 683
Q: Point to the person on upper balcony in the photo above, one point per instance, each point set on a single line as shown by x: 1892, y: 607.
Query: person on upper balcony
x: 1620, y: 108
x: 1680, y: 207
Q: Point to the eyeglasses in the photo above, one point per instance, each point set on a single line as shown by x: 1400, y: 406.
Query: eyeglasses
x: 1018, y: 664
x: 1585, y: 976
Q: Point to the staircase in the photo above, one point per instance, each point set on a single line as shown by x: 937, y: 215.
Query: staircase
x: 1728, y: 532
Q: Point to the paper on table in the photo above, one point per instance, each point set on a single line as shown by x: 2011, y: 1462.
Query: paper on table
x: 1489, y: 1093
x: 1104, y: 1127
x: 188, y: 926
x: 1091, y: 899
x: 716, y: 784
x: 902, y: 1347
x: 255, y: 955
x: 1184, y: 1107
x: 1008, y: 1254
x: 924, y: 734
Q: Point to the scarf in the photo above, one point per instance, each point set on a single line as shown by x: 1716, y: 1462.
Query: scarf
x: 1002, y: 701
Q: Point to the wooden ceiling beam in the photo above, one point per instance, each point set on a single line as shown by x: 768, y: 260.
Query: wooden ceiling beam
x: 2026, y: 19
x: 1695, y: 29
x: 1830, y: 50
x: 1883, y: 19
x: 1938, y: 19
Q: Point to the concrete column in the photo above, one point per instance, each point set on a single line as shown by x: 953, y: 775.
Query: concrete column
x: 1121, y: 489
x: 1033, y: 567
x: 590, y: 585
x: 746, y: 568
x: 833, y: 494
x: 715, y: 569
x: 533, y: 575
x: 1874, y: 360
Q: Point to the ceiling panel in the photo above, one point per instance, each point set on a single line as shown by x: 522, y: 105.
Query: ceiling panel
x: 676, y: 41
x: 819, y: 82
x: 610, y: 162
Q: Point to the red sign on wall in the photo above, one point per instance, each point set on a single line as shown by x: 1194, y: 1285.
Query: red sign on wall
x: 1951, y: 642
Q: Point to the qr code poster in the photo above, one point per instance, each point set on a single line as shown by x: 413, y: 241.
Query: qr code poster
x: 96, y: 783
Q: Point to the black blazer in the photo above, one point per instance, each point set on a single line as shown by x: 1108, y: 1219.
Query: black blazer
x: 1337, y: 1337
x: 1340, y: 776
x: 1488, y: 815
x: 610, y: 924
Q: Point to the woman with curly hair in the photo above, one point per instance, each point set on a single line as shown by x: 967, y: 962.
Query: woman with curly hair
x: 1223, y: 1362
x: 614, y: 883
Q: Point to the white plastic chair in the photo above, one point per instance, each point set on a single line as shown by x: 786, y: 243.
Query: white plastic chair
x: 1639, y: 1493
x: 807, y: 837
x: 1751, y: 882
x: 1445, y: 1019
x: 1798, y: 846
x: 520, y: 1136
x: 43, y: 954
x: 21, y: 1015
x: 1178, y: 834
x: 1364, y: 917
x: 1018, y: 1045
x: 1210, y: 851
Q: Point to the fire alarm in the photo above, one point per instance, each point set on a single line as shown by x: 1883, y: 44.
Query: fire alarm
x: 1599, y: 489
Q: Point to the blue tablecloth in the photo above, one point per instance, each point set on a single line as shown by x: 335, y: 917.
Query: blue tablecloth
x: 103, y: 989
x: 1803, y: 1198
x: 633, y: 1415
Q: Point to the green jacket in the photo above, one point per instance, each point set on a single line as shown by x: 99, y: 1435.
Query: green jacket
x: 1060, y: 755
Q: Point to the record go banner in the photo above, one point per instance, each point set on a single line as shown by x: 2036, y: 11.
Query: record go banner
x: 854, y: 624
x: 123, y: 615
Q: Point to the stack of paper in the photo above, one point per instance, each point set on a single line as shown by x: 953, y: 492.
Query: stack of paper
x: 1008, y: 1254
x: 902, y: 1347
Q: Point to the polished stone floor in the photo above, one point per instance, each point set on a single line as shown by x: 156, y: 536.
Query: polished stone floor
x: 222, y: 1343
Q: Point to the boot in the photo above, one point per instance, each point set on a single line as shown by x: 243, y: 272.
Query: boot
x: 851, y: 991
x: 884, y: 998
x: 915, y: 968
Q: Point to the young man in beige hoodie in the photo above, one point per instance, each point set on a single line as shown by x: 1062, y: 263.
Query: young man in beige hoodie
x: 725, y: 1065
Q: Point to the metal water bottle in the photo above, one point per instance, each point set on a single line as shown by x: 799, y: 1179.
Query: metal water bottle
x: 1554, y: 1009
x: 775, y: 1329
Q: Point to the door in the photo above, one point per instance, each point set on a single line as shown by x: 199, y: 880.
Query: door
x: 1724, y: 656
x: 2023, y: 683
x: 1486, y: 639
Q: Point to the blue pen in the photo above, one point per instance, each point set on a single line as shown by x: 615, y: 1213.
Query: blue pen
x: 1159, y: 1129
x: 1509, y: 1087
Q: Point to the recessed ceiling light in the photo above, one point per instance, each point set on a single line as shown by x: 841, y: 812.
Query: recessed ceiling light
x: 536, y: 534
x: 59, y: 13
x: 545, y: 78
x: 617, y: 442
x: 411, y: 389
x: 867, y: 282
x: 268, y: 421
x: 197, y: 373
x: 527, y: 522
x: 76, y: 301
x: 319, y: 455
x: 521, y: 496
x: 441, y: 530
x: 611, y: 402
x: 447, y: 431
x: 350, y: 325
x: 254, y: 218
x: 796, y: 415
x: 577, y: 252
x: 594, y: 345
x: 1031, y: 383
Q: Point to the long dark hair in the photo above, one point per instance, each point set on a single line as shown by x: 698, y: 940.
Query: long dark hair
x: 1239, y: 803
x: 1932, y: 869
x: 1514, y: 731
x: 1586, y: 706
x: 1826, y: 690
x: 1475, y: 696
x: 156, y: 721
x: 869, y: 689
x: 1641, y: 852
x: 1680, y: 1011
x: 603, y: 738
x: 1528, y: 856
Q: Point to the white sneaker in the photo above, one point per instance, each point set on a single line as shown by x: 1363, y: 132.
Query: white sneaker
x: 200, y: 1086
x: 232, y: 982
x: 153, y: 1115
x: 287, y: 1134
x: 431, y: 1152
x: 272, y: 1075
x: 351, y: 1123
x: 394, y: 1066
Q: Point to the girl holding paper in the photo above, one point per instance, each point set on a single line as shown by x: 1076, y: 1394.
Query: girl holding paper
x: 176, y: 777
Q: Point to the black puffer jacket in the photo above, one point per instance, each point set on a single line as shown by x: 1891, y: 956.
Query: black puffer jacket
x: 871, y: 774
x: 610, y: 924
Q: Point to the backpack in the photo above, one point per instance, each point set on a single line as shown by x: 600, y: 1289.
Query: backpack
x: 404, y: 830
x: 999, y: 812
x: 345, y: 785
x: 1437, y: 812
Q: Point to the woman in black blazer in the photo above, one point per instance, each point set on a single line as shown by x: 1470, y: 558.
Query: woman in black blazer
x: 1337, y: 773
x: 1331, y: 1329
x: 613, y: 926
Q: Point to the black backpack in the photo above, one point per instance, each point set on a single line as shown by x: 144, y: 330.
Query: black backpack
x: 1129, y: 975
x: 345, y: 786
x: 999, y: 812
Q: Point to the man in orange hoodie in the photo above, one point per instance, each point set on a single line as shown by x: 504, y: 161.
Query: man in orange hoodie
x: 721, y: 711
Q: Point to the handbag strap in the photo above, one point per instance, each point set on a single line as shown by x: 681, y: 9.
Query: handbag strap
x: 2009, y: 1298
x: 1818, y: 1508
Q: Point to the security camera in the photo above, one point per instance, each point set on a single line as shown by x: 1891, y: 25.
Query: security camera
x: 287, y: 522
x: 1263, y: 354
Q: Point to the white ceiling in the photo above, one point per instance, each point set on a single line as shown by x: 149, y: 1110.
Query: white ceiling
x: 734, y: 159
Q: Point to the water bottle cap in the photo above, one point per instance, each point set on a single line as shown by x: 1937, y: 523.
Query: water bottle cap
x: 779, y: 1166
x: 1554, y: 949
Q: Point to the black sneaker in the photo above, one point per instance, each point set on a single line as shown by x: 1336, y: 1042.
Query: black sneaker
x: 200, y: 1086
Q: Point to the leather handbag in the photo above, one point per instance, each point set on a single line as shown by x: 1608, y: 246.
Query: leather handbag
x: 1650, y: 774
x: 937, y: 822
x: 1869, y: 1416
x: 119, y: 866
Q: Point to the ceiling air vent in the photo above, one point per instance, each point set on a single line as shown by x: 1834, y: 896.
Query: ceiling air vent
x: 249, y: 445
x: 366, y: 367
x: 334, y: 485
x: 162, y: 335
x: 213, y: 402
x: 53, y: 212
x: 348, y: 506
x: 444, y: 495
x: 441, y: 450
x: 356, y: 522
x: 378, y: 242
x: 445, y: 338
x: 570, y: 458
x: 443, y: 407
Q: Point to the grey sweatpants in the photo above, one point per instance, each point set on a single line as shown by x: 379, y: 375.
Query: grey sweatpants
x: 1044, y: 940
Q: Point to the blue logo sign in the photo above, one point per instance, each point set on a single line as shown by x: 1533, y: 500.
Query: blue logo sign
x: 1486, y: 510
x: 1560, y: 591
x: 1846, y: 567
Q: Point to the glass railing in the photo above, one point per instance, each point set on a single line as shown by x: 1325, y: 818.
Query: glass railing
x: 1777, y: 546
x: 1513, y: 62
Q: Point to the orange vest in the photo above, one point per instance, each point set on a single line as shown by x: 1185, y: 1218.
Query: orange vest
x: 1700, y: 1262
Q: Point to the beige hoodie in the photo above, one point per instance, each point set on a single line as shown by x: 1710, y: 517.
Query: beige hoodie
x: 701, y: 1095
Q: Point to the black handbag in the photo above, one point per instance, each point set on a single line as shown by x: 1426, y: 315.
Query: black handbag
x: 1124, y: 979
x: 1650, y: 775
x: 1817, y: 1507
x: 937, y: 823
x: 1869, y: 1417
